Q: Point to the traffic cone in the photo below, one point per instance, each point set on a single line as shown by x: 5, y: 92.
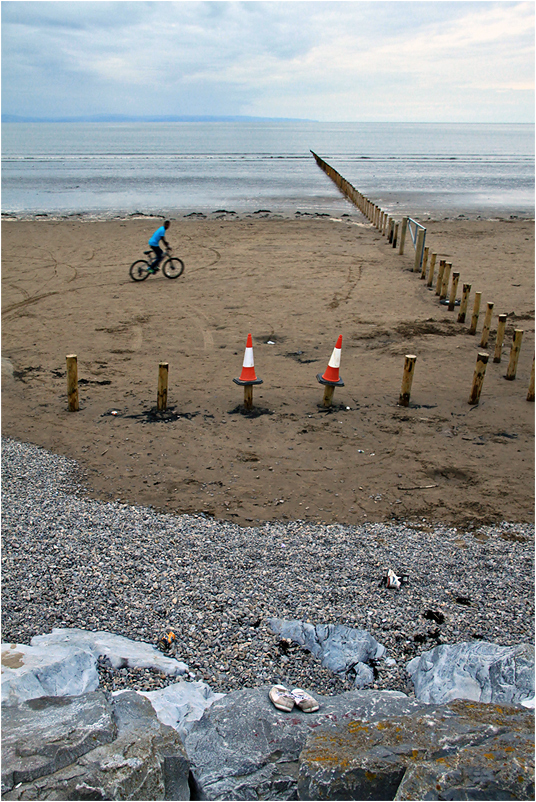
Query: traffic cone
x: 248, y: 370
x: 331, y: 376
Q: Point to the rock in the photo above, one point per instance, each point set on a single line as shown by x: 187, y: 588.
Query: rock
x: 32, y: 671
x: 244, y: 748
x: 41, y: 736
x: 181, y: 704
x: 121, y: 651
x: 91, y: 747
x: 464, y: 750
x: 344, y: 651
x: 481, y: 671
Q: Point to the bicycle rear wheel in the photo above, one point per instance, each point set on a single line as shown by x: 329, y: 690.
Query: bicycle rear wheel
x: 173, y: 267
x: 138, y: 270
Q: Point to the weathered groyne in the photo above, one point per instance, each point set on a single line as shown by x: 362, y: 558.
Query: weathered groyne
x: 396, y: 232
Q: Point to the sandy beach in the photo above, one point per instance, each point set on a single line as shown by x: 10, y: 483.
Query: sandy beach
x: 295, y: 284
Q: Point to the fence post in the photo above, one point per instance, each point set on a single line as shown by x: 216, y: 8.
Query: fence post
x: 161, y: 398
x: 403, y: 235
x: 72, y: 382
x: 407, y: 379
x: 453, y: 291
x: 514, y: 355
x: 500, y: 337
x: 431, y: 270
x: 486, y: 326
x: 419, y: 249
x: 445, y: 282
x: 463, y: 303
x: 442, y: 263
x: 478, y: 378
x: 424, y: 261
x: 476, y: 310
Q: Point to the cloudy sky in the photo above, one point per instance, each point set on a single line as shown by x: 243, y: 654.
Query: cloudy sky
x: 330, y: 61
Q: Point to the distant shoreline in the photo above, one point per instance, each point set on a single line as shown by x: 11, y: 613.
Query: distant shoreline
x: 191, y: 118
x: 170, y: 118
x: 353, y: 217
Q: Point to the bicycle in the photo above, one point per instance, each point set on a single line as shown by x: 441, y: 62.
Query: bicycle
x: 172, y: 267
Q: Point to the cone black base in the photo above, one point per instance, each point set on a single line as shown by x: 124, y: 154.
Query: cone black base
x: 246, y: 384
x: 321, y: 380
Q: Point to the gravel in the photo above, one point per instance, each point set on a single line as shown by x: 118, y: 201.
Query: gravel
x: 69, y: 561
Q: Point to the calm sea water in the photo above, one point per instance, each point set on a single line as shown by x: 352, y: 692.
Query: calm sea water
x: 112, y: 169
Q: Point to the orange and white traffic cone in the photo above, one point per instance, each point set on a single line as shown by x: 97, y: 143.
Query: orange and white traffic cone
x: 331, y: 377
x: 248, y: 378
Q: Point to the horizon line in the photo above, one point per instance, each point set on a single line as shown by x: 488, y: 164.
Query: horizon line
x: 103, y: 118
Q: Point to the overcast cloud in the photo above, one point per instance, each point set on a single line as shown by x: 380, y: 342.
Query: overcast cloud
x: 337, y: 61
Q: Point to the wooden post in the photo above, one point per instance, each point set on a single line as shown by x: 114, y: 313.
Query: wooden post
x: 424, y: 261
x: 161, y: 398
x: 463, y: 303
x: 418, y: 249
x: 514, y: 355
x: 390, y: 230
x: 248, y: 396
x: 407, y: 379
x: 439, y: 282
x: 500, y: 337
x: 478, y: 378
x: 403, y: 235
x: 453, y: 291
x: 72, y: 382
x: 476, y: 310
x: 329, y: 389
x: 445, y: 282
x: 530, y: 394
x: 431, y: 270
x: 395, y: 235
x: 486, y: 327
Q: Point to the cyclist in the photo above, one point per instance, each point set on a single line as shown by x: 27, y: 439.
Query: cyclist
x: 158, y: 235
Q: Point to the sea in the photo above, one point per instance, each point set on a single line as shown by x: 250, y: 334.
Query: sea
x: 106, y: 170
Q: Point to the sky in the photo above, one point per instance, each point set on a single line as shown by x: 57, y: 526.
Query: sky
x: 355, y: 60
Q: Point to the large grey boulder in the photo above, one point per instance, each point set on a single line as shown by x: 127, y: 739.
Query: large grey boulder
x: 43, y: 735
x: 32, y: 671
x: 244, y: 748
x: 464, y: 750
x: 122, y: 652
x: 480, y: 671
x: 345, y: 651
x: 91, y: 747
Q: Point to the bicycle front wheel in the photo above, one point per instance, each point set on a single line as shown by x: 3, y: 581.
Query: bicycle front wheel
x: 138, y: 270
x: 173, y: 268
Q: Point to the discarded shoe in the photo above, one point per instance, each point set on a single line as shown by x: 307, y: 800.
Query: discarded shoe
x: 304, y: 700
x: 281, y: 698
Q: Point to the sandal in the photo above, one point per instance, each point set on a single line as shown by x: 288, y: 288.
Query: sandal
x: 281, y: 698
x: 304, y: 700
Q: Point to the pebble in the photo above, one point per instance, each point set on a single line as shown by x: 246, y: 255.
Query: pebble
x: 70, y: 561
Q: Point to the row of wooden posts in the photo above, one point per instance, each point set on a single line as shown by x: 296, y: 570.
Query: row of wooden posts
x: 73, y: 401
x: 396, y: 232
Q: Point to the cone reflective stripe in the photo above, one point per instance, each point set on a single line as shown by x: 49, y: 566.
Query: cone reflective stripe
x: 331, y: 376
x: 248, y: 370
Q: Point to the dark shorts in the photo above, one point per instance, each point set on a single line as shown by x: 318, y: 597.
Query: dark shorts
x: 159, y: 254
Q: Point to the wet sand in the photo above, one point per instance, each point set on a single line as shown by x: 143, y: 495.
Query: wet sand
x: 295, y: 284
